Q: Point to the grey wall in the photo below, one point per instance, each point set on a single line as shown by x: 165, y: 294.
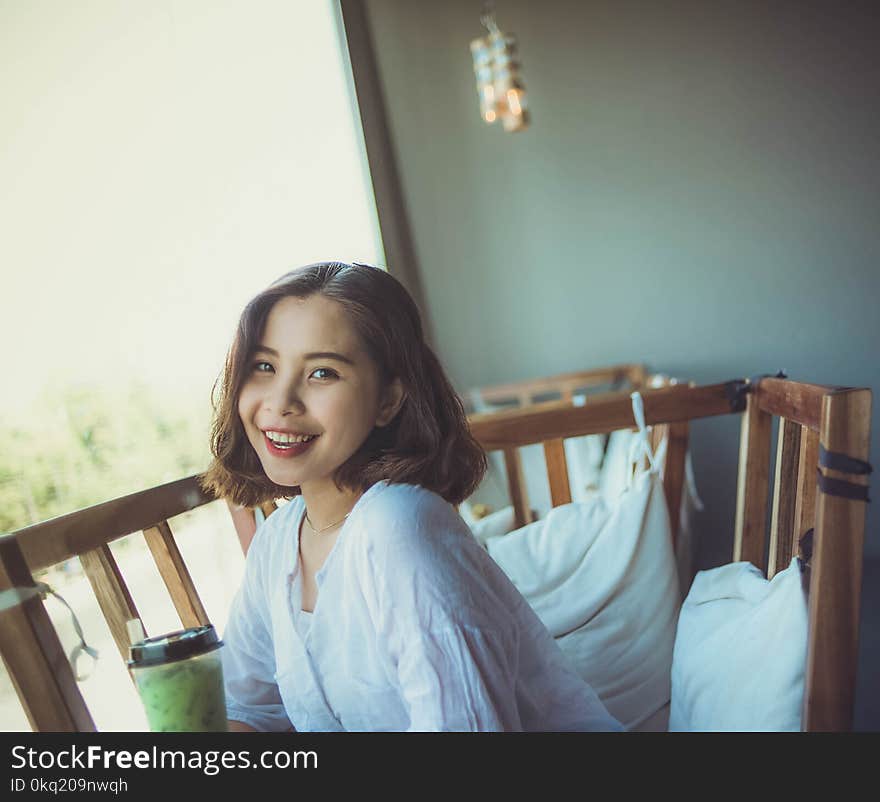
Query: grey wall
x: 698, y: 191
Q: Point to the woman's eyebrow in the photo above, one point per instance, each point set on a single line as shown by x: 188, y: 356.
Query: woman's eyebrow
x: 312, y: 355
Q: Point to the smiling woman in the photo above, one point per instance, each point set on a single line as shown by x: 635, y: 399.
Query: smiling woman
x: 366, y: 603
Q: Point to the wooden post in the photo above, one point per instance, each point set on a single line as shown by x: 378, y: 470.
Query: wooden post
x: 112, y: 594
x: 516, y: 485
x: 836, y: 573
x: 557, y: 471
x: 245, y: 522
x: 752, y: 485
x: 784, y: 496
x: 805, y: 503
x: 36, y: 662
x: 176, y: 576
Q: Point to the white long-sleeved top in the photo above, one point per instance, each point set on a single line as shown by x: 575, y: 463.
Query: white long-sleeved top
x: 415, y: 628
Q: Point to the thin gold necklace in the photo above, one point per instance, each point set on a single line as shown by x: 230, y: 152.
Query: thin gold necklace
x: 324, y: 529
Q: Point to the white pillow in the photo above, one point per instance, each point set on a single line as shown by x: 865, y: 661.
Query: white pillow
x: 493, y: 525
x: 740, y: 652
x: 602, y: 578
x: 691, y: 504
x: 613, y: 480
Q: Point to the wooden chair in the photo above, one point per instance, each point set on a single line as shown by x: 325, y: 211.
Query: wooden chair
x: 564, y: 385
x: 36, y: 662
x: 819, y: 486
x: 525, y: 394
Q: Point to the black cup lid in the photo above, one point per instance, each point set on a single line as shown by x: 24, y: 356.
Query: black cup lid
x: 174, y: 646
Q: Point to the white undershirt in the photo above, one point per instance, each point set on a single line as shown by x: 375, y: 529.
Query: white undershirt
x: 303, y: 618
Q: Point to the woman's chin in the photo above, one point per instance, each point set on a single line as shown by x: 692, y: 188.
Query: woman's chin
x: 283, y: 478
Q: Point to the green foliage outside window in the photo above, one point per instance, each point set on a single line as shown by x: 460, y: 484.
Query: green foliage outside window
x: 79, y: 446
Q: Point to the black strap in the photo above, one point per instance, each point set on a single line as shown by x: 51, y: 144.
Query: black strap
x: 841, y: 488
x: 842, y: 462
x: 805, y: 550
x: 737, y: 389
x: 753, y: 380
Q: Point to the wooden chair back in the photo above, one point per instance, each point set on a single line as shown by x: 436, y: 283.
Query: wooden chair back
x: 634, y: 377
x: 36, y: 662
x: 812, y: 493
x: 565, y: 385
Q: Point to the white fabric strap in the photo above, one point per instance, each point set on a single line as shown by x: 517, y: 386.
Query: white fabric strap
x: 641, y: 445
x: 12, y: 597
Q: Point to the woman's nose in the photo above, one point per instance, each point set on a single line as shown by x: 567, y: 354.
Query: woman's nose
x: 285, y: 399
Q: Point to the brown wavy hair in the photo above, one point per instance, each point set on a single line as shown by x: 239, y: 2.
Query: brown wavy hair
x: 428, y: 442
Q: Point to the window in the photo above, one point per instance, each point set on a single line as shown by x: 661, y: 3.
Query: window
x: 160, y: 163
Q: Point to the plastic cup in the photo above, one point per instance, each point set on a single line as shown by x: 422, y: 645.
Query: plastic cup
x: 180, y: 680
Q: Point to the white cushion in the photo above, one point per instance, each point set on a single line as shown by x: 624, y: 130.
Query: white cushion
x: 602, y: 578
x: 740, y: 652
x: 495, y: 524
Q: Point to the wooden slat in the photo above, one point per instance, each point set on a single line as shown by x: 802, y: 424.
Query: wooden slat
x: 796, y: 401
x: 805, y: 501
x: 782, y: 522
x: 750, y: 531
x: 636, y: 375
x: 516, y: 486
x: 836, y: 573
x: 112, y: 594
x: 33, y: 655
x: 673, y: 473
x: 52, y: 542
x: 245, y: 523
x: 526, y: 389
x: 176, y: 575
x: 657, y: 435
x: 604, y: 413
x: 557, y: 472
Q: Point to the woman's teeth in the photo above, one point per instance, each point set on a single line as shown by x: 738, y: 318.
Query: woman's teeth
x: 284, y: 440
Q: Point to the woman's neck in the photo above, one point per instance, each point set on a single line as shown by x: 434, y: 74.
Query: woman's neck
x: 326, y: 505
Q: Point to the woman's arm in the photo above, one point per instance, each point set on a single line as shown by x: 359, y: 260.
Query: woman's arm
x: 452, y: 641
x: 253, y: 700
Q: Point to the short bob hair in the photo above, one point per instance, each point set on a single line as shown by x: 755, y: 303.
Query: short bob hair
x: 427, y: 443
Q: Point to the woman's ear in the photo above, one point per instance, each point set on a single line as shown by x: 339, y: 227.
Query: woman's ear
x: 394, y: 397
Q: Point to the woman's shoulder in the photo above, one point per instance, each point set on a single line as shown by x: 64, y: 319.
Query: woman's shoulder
x: 398, y: 512
x: 399, y: 501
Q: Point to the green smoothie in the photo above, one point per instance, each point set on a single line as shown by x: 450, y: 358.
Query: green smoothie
x: 180, y: 681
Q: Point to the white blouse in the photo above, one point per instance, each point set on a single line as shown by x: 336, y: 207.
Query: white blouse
x: 415, y: 628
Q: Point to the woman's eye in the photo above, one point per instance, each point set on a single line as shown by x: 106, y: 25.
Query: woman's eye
x: 331, y: 373
x: 262, y: 367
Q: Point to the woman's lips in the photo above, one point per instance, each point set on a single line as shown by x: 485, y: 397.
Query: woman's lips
x: 294, y: 450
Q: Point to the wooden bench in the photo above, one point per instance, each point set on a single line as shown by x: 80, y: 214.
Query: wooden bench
x: 36, y: 662
x: 814, y: 421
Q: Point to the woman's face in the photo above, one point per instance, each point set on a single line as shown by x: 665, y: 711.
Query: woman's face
x: 311, y: 375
